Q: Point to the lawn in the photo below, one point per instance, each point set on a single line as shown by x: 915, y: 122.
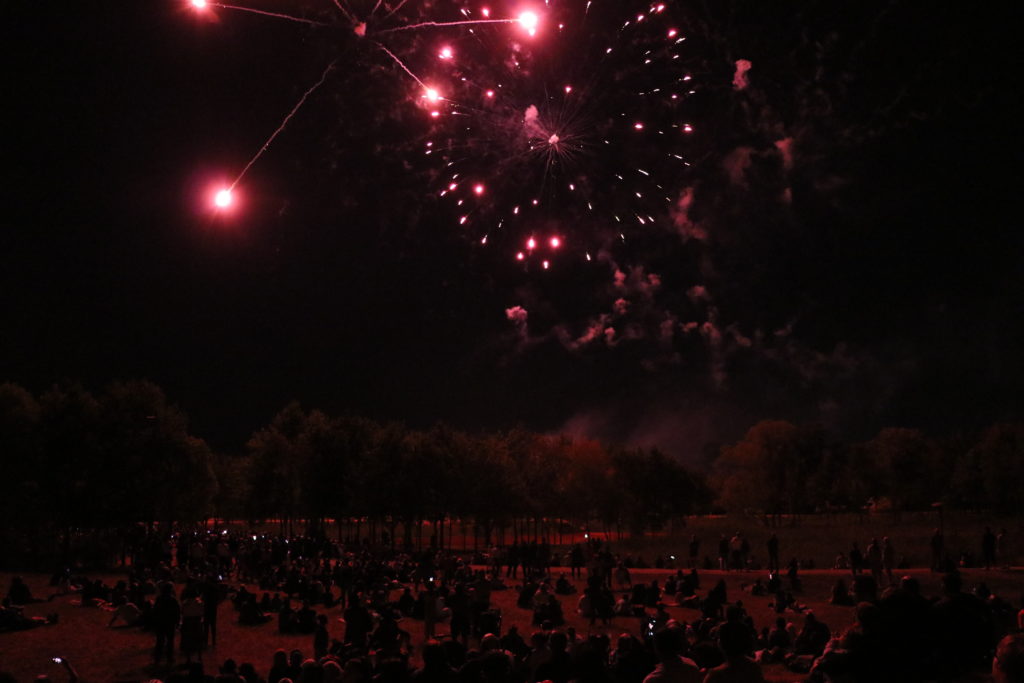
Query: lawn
x: 103, y: 654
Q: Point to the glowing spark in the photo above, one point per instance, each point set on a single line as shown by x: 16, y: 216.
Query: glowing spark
x: 446, y: 53
x: 462, y: 221
x: 203, y: 4
x: 687, y: 128
x: 432, y: 94
x: 531, y: 243
x: 520, y: 256
x: 478, y: 190
x: 568, y: 89
x: 529, y: 21
x: 486, y: 12
x: 442, y: 24
x: 672, y: 33
x: 555, y: 243
x: 546, y: 265
x: 452, y: 186
x: 284, y: 123
x: 638, y: 125
x: 553, y: 140
x: 489, y: 93
x: 223, y: 198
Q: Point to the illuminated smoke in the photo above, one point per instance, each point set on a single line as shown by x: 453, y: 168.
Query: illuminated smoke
x: 739, y: 78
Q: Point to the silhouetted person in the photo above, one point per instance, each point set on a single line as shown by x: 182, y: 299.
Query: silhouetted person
x: 165, y: 618
x: 937, y: 545
x: 988, y: 548
x: 672, y: 667
x: 1008, y: 664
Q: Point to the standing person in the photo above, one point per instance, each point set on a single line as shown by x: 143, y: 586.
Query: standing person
x: 321, y: 639
x: 192, y: 626
x: 358, y: 623
x: 875, y: 561
x: 856, y: 560
x: 988, y: 548
x: 888, y: 558
x: 429, y: 596
x: 1003, y: 548
x: 576, y: 560
x: 211, y: 601
x: 937, y: 546
x: 513, y: 561
x: 736, y: 551
x: 773, y: 553
x: 166, y: 615
x: 723, y: 553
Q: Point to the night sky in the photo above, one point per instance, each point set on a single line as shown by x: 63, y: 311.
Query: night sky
x: 845, y: 247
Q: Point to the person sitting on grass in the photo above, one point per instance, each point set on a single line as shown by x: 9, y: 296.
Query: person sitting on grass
x: 19, y: 594
x: 735, y: 641
x: 1008, y: 664
x: 672, y: 667
x: 841, y: 595
x: 128, y: 614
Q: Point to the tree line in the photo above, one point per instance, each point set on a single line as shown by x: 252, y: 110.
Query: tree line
x: 74, y: 460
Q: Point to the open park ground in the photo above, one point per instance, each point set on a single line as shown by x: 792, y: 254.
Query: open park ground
x: 100, y: 653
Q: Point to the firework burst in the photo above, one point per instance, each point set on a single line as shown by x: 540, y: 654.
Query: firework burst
x: 552, y: 130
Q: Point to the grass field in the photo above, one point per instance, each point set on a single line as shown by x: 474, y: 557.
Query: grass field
x: 103, y: 654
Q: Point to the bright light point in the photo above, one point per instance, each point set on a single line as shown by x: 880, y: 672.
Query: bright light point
x: 588, y: 257
x: 687, y: 128
x: 520, y: 256
x: 452, y: 186
x: 478, y: 190
x: 199, y: 4
x: 531, y: 243
x: 486, y: 12
x: 529, y: 21
x: 555, y: 243
x: 446, y: 53
x: 489, y: 93
x: 553, y: 140
x: 432, y: 94
x: 659, y: 8
x: 462, y: 221
x: 536, y: 202
x: 568, y: 89
x: 547, y: 265
x: 223, y: 198
x: 435, y: 114
x: 572, y: 188
x: 672, y: 33
x: 638, y: 125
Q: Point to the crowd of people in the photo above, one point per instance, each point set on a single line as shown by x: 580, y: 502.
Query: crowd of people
x: 429, y: 617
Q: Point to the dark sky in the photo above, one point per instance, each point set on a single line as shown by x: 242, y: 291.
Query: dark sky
x: 845, y: 247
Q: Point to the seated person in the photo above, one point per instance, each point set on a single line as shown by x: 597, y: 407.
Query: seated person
x: 563, y: 586
x: 128, y: 613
